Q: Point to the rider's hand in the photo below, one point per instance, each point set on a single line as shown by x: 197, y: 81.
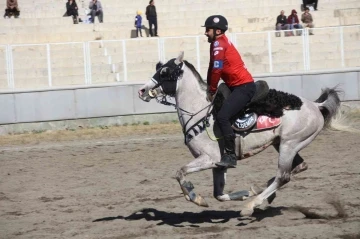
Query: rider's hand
x: 210, y: 96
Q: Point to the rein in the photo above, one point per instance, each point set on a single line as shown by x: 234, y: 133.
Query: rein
x: 204, y: 120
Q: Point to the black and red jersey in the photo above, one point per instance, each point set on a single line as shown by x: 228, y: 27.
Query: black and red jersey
x: 226, y: 63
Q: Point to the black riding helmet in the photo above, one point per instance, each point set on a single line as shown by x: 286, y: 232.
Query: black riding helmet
x: 216, y: 22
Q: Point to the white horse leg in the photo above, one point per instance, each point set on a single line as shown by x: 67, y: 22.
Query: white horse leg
x: 202, y: 162
x: 298, y: 166
x: 286, y: 157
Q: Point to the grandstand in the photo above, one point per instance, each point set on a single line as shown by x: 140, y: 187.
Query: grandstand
x: 83, y: 54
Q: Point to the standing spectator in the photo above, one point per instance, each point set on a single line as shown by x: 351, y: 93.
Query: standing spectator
x: 72, y: 10
x: 12, y: 9
x: 152, y: 17
x: 96, y: 10
x: 293, y: 21
x: 306, y: 2
x: 281, y: 24
x: 307, y: 19
x: 138, y: 23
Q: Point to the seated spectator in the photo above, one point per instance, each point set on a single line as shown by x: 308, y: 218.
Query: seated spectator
x: 293, y: 21
x: 281, y: 24
x: 12, y: 9
x: 72, y: 10
x: 96, y: 10
x: 307, y: 19
x: 306, y: 2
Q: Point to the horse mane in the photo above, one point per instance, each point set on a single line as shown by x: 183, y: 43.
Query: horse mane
x: 202, y: 83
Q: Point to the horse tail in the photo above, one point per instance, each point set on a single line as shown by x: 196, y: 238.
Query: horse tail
x: 329, y: 104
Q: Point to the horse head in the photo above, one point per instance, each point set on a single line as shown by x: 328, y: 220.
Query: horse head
x: 164, y: 81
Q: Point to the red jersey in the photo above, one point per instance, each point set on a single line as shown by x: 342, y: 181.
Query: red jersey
x: 226, y: 63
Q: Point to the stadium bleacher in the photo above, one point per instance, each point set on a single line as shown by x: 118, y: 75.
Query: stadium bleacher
x: 41, y: 22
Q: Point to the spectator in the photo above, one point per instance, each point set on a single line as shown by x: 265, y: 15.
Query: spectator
x: 96, y: 10
x: 12, y: 9
x: 307, y: 19
x: 281, y: 24
x: 138, y: 23
x: 293, y: 21
x: 72, y: 10
x: 152, y: 17
x: 306, y: 2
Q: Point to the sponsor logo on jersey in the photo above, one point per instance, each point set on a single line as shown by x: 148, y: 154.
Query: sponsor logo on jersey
x: 216, y: 52
x: 218, y: 64
x: 218, y: 49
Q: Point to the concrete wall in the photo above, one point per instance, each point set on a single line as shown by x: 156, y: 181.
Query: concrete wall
x: 120, y: 100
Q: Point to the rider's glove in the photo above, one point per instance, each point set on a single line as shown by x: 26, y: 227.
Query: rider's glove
x: 210, y: 96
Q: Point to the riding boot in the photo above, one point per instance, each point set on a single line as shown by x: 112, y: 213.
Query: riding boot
x: 228, y: 160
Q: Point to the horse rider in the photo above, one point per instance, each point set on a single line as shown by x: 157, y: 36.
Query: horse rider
x: 226, y: 63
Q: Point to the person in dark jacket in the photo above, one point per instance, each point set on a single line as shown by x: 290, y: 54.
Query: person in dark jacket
x: 96, y: 10
x: 293, y: 21
x: 281, y: 24
x: 72, y: 10
x: 152, y: 18
x: 306, y: 2
x: 12, y: 9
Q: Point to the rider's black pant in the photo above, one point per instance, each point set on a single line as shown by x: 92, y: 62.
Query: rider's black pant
x: 237, y: 100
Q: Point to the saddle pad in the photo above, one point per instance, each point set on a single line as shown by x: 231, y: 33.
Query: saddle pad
x: 265, y: 122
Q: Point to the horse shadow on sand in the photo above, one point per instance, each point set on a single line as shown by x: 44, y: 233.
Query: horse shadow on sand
x: 194, y: 218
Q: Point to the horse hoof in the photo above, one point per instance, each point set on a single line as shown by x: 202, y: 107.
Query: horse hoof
x: 255, y: 190
x: 246, y: 212
x: 200, y: 201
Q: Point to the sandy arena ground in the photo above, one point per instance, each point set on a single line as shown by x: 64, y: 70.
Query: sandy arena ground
x: 119, y: 183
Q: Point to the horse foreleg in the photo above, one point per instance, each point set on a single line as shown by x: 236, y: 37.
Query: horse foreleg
x: 200, y: 163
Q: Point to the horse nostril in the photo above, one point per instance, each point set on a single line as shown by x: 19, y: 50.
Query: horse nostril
x: 141, y: 92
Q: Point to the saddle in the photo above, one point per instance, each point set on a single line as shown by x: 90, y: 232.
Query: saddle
x: 264, y: 110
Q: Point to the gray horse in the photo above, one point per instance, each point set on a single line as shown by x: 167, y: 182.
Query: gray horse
x: 298, y: 128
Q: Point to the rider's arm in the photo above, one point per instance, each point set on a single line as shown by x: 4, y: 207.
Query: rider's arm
x: 216, y: 67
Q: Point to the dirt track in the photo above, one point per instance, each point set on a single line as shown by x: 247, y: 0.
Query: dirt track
x: 124, y: 187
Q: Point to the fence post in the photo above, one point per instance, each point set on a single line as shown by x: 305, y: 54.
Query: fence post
x: 270, y: 52
x: 7, y: 58
x: 198, y: 54
x: 159, y: 49
x: 49, y: 64
x: 11, y: 68
x: 89, y: 78
x: 85, y: 63
x: 307, y: 47
x: 304, y: 51
x: 234, y: 39
x: 124, y: 60
x: 342, y: 46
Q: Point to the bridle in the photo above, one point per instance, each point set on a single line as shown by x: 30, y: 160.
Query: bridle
x: 171, y: 76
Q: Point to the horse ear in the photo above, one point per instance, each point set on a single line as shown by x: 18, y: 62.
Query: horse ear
x: 159, y: 65
x: 180, y: 58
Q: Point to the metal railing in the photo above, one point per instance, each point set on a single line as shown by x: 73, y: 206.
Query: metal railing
x: 132, y: 60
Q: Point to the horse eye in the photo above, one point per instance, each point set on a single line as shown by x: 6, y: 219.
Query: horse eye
x: 164, y: 71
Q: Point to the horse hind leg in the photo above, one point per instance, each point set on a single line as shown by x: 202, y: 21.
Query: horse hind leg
x: 200, y: 163
x: 298, y: 166
x: 286, y: 156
